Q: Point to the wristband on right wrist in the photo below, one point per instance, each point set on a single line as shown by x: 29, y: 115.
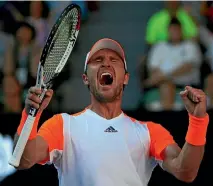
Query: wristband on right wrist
x: 197, y: 129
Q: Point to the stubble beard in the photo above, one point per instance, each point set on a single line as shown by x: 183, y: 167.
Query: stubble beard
x: 117, y: 93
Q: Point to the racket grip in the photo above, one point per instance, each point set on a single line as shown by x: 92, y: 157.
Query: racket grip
x: 22, y: 141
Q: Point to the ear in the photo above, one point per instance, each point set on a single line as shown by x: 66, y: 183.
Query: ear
x: 126, y: 78
x: 85, y: 79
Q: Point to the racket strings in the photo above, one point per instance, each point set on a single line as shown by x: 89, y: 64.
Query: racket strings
x: 59, y: 44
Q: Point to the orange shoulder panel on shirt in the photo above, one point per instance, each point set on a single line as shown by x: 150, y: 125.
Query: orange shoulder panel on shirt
x: 52, y: 132
x: 160, y: 139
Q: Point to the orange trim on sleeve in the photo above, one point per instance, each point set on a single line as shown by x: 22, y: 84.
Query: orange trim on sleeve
x: 160, y: 139
x: 52, y: 132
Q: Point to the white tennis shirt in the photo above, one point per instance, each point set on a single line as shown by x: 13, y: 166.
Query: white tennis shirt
x: 168, y: 58
x: 89, y: 150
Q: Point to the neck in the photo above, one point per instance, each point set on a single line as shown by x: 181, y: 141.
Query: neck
x: 172, y: 12
x: 23, y: 45
x: 106, y: 110
x: 175, y: 42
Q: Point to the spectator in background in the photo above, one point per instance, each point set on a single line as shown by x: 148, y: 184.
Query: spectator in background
x: 206, y: 39
x: 193, y: 8
x: 5, y: 57
x: 173, y: 64
x: 20, y: 72
x: 11, y: 95
x: 38, y: 14
x: 157, y: 26
x: 13, y: 12
x: 206, y: 36
x: 93, y: 6
x: 56, y: 7
x: 6, y: 148
x: 209, y: 90
x: 207, y: 13
x: 84, y: 9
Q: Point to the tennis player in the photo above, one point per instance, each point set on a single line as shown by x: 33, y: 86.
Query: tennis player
x: 102, y: 146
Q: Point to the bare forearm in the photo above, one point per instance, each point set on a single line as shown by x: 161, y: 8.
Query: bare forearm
x: 186, y: 68
x: 157, y: 76
x: 27, y: 157
x: 35, y: 151
x: 184, y: 163
x: 188, y: 161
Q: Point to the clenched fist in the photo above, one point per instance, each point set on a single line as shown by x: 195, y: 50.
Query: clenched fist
x: 33, y: 100
x: 195, y: 101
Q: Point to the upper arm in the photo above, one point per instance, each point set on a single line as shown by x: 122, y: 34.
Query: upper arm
x: 163, y: 147
x: 52, y: 133
x: 160, y: 139
x: 48, y: 141
x: 171, y: 152
x: 35, y: 151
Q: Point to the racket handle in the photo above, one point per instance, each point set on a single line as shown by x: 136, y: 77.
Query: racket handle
x: 22, y: 141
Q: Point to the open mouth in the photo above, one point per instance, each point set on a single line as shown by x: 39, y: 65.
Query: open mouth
x: 106, y: 79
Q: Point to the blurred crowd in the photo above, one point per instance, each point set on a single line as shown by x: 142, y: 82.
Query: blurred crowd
x: 179, y: 52
x: 24, y: 27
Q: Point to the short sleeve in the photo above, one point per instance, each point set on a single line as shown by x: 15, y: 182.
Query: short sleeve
x: 160, y: 139
x: 52, y: 132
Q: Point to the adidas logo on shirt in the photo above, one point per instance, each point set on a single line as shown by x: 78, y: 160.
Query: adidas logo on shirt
x: 110, y: 129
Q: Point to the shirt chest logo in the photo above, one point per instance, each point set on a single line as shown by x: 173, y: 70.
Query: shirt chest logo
x: 110, y: 129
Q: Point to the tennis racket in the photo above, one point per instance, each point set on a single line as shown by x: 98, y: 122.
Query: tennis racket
x: 55, y: 54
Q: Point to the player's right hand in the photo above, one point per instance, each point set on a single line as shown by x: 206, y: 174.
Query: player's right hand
x: 33, y: 100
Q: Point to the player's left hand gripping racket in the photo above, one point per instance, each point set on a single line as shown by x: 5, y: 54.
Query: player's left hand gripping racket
x: 55, y: 54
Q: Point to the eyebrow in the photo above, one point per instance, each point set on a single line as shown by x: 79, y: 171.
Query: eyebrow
x: 115, y: 57
x: 97, y: 57
x: 102, y: 57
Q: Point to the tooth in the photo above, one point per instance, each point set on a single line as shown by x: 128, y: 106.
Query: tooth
x: 106, y: 73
